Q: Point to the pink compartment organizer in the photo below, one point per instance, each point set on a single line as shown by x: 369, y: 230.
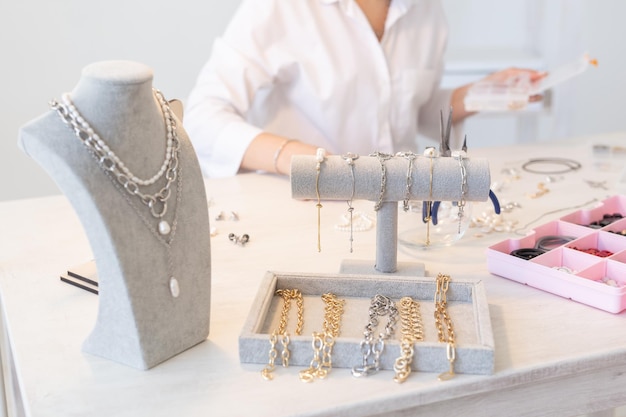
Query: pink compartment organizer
x: 565, y: 270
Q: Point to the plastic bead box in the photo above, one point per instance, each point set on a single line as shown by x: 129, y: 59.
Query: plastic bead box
x: 588, y: 266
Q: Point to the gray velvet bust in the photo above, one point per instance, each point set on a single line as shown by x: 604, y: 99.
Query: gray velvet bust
x: 139, y: 322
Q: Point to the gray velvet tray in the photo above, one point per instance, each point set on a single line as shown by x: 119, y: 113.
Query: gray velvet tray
x: 467, y: 307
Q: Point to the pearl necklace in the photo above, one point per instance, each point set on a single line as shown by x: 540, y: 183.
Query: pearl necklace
x: 125, y: 182
x: 170, y: 126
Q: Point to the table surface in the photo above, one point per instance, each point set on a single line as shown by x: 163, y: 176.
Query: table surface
x: 561, y: 357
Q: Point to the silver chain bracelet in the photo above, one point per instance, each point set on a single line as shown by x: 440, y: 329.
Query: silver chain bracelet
x: 372, y: 349
x: 461, y: 156
x: 409, y: 156
x: 382, y: 157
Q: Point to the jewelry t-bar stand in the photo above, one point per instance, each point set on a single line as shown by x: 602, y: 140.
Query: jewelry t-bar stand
x: 387, y: 180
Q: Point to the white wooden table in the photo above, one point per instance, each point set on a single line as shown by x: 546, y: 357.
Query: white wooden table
x: 554, y: 357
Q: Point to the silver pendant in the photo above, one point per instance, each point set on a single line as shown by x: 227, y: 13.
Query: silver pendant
x: 174, y: 288
x: 164, y: 228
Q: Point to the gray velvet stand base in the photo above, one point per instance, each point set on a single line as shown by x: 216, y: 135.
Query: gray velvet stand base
x: 366, y: 267
x: 467, y: 306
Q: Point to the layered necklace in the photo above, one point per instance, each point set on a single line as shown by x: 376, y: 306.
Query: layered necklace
x: 130, y: 185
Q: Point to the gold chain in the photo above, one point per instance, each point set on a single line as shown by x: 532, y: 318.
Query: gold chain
x: 412, y: 331
x: 320, y: 156
x: 442, y: 318
x: 430, y: 152
x: 287, y: 296
x: 323, y: 343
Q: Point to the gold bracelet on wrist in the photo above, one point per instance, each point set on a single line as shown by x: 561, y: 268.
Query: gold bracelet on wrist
x: 279, y: 150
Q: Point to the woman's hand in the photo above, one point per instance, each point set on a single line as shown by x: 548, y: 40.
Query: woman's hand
x: 458, y: 95
x: 513, y: 73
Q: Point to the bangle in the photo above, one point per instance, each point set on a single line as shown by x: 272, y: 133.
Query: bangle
x: 278, y: 152
x: 568, y: 165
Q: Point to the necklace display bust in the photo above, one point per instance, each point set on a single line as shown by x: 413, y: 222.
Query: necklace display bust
x: 154, y: 287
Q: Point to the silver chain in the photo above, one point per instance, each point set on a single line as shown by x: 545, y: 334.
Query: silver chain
x: 372, y: 349
x: 179, y: 190
x: 382, y: 157
x: 460, y: 156
x: 128, y: 187
x: 410, y: 156
x: 157, y: 203
x: 350, y: 158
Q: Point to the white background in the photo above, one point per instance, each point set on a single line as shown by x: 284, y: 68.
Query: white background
x: 45, y: 44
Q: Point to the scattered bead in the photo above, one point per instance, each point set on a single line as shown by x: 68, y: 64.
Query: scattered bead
x: 164, y: 228
x: 597, y: 184
x: 593, y: 251
x: 174, y: 287
x: 606, y: 220
x: 491, y: 222
x: 232, y: 216
x: 361, y: 222
x: 618, y: 232
x: 610, y: 282
x: 541, y: 190
x: 239, y: 240
x: 564, y: 269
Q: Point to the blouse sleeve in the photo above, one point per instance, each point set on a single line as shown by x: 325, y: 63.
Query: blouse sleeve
x: 226, y: 86
x: 429, y: 113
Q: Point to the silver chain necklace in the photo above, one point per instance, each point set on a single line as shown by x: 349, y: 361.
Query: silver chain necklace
x: 124, y: 181
x: 157, y: 203
x: 370, y: 349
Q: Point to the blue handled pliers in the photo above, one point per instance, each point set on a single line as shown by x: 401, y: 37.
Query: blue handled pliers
x: 430, y: 208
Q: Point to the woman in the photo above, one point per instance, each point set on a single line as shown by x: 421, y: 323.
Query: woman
x: 289, y: 76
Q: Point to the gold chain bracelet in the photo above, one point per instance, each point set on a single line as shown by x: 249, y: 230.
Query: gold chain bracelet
x: 428, y: 215
x: 412, y: 330
x: 320, y: 157
x: 287, y: 296
x: 323, y: 343
x: 444, y: 323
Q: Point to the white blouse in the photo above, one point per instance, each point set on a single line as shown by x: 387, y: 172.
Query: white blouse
x: 314, y: 70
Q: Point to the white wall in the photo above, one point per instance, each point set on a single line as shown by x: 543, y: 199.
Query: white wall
x: 45, y: 44
x: 602, y: 94
x: 544, y: 34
